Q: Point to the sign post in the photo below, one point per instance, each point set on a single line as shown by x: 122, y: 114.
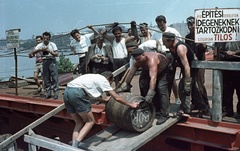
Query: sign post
x: 12, y: 37
x: 211, y: 26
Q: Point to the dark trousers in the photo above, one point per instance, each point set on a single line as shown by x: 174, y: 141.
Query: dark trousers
x: 116, y: 65
x: 199, y: 101
x: 50, y: 76
x: 200, y: 79
x: 161, y: 99
x: 81, y: 66
x: 231, y: 82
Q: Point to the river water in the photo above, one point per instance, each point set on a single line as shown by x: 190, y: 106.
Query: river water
x: 25, y: 65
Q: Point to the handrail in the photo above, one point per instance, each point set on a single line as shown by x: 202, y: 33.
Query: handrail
x: 31, y: 126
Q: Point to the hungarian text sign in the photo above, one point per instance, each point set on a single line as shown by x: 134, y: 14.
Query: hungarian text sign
x: 217, y: 25
x: 12, y: 38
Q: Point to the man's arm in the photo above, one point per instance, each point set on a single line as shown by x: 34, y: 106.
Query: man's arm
x: 93, y: 29
x: 153, y: 71
x: 118, y: 98
x: 153, y: 66
x: 131, y: 38
x: 182, y: 53
x: 107, y: 37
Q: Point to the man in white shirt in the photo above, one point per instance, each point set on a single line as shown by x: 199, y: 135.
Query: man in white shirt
x: 157, y: 35
x: 120, y: 52
x: 162, y: 27
x: 77, y: 96
x: 50, y: 69
x: 79, y: 45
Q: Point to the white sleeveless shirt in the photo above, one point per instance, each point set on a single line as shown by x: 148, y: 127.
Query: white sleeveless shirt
x: 119, y: 49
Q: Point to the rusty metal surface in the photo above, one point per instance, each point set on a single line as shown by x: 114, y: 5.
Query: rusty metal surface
x: 223, y: 135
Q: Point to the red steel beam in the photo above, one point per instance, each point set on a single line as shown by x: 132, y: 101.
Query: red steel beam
x: 203, y: 132
x: 42, y: 106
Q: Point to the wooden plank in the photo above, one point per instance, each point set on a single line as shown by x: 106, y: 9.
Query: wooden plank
x: 31, y: 126
x: 128, y: 141
x: 120, y: 70
x: 10, y: 147
x: 217, y: 65
x: 102, y: 136
x: 48, y: 143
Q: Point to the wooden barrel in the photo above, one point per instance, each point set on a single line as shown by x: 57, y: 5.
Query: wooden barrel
x: 137, y: 120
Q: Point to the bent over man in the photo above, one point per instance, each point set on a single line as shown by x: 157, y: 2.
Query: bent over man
x: 77, y: 96
x: 156, y: 77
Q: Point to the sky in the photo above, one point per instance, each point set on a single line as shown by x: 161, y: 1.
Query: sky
x: 34, y: 17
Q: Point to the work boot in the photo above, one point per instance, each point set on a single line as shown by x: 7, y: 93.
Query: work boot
x: 162, y: 119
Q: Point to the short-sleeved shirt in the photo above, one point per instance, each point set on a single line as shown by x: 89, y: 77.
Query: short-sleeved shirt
x: 82, y: 45
x: 51, y: 46
x: 93, y: 84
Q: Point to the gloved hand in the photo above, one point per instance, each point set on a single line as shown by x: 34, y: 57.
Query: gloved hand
x: 187, y: 85
x: 123, y: 88
x: 148, y: 98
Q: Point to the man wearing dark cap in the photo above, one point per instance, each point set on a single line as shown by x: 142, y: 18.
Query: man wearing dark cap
x: 184, y: 56
x: 155, y: 78
x: 199, y: 50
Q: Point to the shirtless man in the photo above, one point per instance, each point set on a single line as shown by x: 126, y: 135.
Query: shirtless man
x: 155, y: 77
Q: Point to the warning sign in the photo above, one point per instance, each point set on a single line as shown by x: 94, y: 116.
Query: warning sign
x: 217, y: 25
x: 12, y: 38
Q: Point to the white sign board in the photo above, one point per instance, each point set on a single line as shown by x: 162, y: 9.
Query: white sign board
x: 217, y: 25
x: 12, y: 38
